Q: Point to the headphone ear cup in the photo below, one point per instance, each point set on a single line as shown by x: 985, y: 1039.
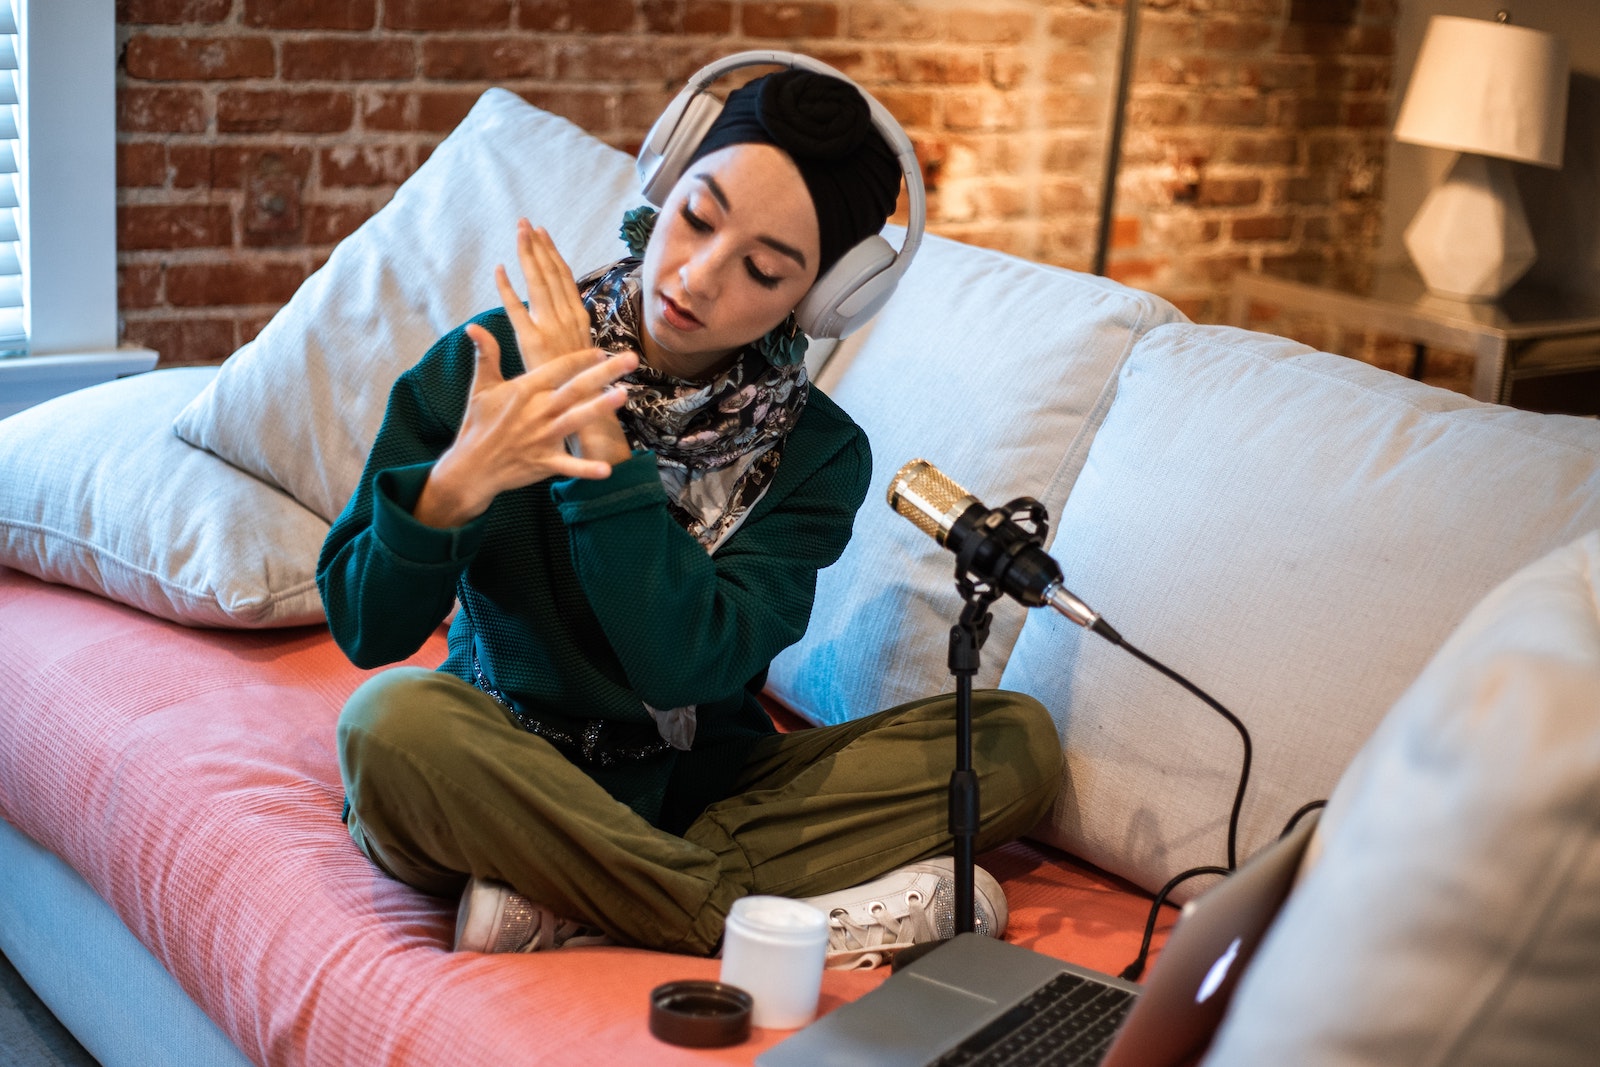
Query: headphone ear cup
x: 660, y: 169
x: 851, y: 292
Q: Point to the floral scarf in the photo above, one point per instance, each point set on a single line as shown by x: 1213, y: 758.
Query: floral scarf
x: 717, y: 443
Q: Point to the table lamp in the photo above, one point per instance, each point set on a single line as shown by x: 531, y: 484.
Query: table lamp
x: 1493, y: 92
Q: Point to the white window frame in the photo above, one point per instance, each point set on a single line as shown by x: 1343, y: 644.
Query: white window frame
x: 68, y: 190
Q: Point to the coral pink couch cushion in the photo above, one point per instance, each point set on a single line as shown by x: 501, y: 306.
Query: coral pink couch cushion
x: 191, y: 777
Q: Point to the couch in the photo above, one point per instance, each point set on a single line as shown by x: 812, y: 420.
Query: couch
x: 1394, y: 587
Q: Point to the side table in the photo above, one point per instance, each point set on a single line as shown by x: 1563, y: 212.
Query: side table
x: 1530, y: 332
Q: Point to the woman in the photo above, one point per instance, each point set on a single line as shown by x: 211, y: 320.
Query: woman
x: 630, y: 486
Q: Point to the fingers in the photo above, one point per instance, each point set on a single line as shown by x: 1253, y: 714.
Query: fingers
x: 521, y: 322
x: 508, y: 296
x: 576, y: 467
x: 486, y: 368
x: 587, y: 370
x: 601, y: 380
x: 584, y: 394
x: 550, y: 287
x: 533, y: 268
x: 554, y: 319
x: 569, y: 420
x: 549, y: 279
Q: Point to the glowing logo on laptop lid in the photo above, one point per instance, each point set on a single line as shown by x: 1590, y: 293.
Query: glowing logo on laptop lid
x: 1218, y: 973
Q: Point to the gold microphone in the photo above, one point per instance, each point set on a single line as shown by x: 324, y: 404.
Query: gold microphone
x: 933, y: 503
x: 1001, y: 551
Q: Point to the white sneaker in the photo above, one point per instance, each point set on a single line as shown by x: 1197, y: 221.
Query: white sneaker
x: 494, y: 918
x: 869, y: 923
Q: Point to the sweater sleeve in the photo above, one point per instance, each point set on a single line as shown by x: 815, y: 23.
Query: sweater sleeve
x: 387, y: 580
x: 689, y: 627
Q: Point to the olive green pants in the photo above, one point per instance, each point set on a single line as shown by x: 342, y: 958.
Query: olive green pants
x: 442, y: 785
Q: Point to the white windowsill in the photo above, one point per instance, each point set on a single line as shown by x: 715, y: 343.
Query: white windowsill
x: 29, y: 380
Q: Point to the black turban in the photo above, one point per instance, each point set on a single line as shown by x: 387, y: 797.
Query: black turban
x: 824, y: 125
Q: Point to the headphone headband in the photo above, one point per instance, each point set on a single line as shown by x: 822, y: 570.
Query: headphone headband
x: 855, y: 287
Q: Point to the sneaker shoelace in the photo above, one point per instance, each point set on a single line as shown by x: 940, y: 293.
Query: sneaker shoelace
x: 859, y: 946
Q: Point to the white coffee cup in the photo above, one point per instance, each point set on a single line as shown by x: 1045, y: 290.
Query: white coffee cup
x: 773, y: 948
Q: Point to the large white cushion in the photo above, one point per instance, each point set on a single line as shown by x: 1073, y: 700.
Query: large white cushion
x: 96, y: 492
x: 1454, y: 913
x: 300, y: 405
x: 997, y: 371
x: 1297, y: 533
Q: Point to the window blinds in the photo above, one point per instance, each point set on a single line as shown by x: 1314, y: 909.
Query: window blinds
x: 13, y: 222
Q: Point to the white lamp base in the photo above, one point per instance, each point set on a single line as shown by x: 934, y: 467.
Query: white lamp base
x: 1471, y: 240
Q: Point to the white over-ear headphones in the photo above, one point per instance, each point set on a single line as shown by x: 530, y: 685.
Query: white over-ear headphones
x: 855, y: 287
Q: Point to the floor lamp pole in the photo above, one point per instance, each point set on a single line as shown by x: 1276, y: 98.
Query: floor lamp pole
x: 1119, y: 108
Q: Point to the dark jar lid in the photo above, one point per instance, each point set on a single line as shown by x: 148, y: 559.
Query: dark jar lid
x: 700, y: 1014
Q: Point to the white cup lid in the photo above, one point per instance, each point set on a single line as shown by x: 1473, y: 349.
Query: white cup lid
x: 779, y: 917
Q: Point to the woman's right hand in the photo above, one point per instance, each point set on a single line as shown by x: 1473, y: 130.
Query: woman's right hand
x: 514, y: 431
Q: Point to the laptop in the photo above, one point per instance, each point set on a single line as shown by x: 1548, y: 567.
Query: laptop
x: 976, y: 1000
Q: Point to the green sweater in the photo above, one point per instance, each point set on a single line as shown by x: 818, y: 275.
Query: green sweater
x: 585, y: 599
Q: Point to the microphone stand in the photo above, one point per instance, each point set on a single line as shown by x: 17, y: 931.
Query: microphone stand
x: 978, y: 591
x: 966, y: 639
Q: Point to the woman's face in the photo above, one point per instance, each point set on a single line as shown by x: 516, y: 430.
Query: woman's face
x: 734, y: 250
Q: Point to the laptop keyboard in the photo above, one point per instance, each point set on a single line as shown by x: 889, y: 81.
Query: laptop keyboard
x: 1067, y: 1021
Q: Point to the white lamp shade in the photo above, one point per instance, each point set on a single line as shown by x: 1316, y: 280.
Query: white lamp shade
x: 1488, y: 87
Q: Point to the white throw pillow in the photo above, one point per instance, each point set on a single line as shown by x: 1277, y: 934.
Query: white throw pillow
x: 995, y: 370
x: 1295, y: 532
x: 300, y: 405
x: 96, y: 492
x: 1453, y: 916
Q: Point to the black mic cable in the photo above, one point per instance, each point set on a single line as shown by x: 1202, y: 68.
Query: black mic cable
x: 1133, y: 971
x: 1000, y: 547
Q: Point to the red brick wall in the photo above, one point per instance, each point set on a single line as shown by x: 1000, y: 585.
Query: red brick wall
x: 254, y: 134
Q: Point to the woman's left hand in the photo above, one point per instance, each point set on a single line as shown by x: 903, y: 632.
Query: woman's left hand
x: 553, y: 323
